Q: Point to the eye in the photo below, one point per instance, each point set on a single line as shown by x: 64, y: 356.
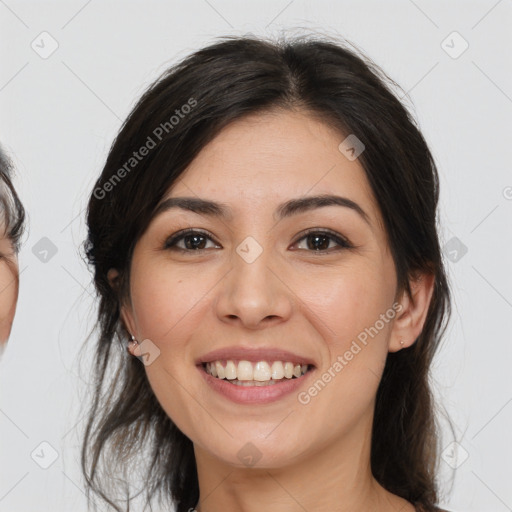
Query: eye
x: 194, y: 241
x: 320, y: 240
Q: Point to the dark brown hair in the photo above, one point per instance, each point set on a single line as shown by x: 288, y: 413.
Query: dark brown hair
x: 228, y: 80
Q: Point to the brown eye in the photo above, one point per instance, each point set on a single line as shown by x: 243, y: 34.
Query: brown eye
x: 320, y: 241
x: 193, y: 241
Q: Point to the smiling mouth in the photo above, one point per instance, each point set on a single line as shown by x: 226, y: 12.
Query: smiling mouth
x: 261, y: 373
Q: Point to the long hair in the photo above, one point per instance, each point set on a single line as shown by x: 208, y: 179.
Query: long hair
x: 175, y: 118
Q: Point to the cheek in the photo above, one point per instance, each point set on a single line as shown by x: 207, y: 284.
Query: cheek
x: 346, y: 302
x: 8, y: 299
x: 166, y: 301
x: 352, y: 311
x: 168, y: 305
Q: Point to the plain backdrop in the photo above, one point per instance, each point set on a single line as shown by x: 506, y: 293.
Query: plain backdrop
x: 70, y: 73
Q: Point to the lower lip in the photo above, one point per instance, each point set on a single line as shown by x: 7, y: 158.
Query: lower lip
x: 254, y: 394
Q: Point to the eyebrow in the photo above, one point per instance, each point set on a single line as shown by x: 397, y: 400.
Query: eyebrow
x: 286, y: 209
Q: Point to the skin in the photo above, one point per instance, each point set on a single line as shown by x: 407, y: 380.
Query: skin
x: 314, y: 456
x: 9, y: 285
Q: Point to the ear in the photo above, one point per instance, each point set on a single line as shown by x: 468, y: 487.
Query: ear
x: 125, y: 310
x: 411, y: 318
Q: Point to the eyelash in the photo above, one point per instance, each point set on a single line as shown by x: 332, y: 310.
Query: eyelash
x: 170, y: 243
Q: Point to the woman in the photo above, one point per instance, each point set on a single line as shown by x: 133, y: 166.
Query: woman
x: 264, y: 232
x: 12, y: 218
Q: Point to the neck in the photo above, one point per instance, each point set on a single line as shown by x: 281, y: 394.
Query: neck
x: 335, y: 477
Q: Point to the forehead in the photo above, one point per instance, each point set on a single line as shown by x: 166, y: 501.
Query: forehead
x: 264, y: 159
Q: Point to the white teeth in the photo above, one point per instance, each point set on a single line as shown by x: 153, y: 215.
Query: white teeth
x: 230, y: 370
x: 261, y: 371
x: 245, y: 371
x: 278, y: 370
x: 220, y: 370
x: 258, y: 374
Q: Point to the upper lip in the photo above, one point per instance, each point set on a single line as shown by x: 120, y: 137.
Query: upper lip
x: 254, y: 355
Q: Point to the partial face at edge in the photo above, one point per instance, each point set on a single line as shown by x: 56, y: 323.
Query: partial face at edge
x: 9, y: 285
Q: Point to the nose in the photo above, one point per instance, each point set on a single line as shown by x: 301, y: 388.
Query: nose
x: 253, y: 293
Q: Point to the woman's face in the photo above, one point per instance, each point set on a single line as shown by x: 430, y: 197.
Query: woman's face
x: 254, y: 286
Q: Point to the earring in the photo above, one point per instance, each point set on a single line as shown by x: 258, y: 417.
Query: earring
x: 133, y: 343
x: 401, y: 342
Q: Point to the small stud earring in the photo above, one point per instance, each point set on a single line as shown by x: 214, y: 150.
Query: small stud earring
x: 133, y: 343
x: 401, y: 342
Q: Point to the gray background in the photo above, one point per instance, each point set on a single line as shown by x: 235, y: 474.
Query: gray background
x: 61, y: 111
